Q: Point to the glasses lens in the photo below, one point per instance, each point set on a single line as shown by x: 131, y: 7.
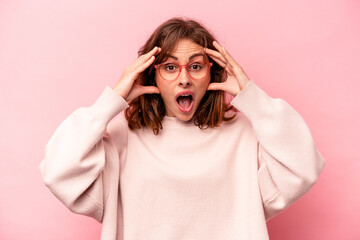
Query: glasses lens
x: 198, y: 70
x: 170, y: 71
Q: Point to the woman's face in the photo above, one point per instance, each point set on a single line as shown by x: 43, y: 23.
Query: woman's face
x: 183, y: 107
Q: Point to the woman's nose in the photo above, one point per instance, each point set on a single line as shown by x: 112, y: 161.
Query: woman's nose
x: 184, y: 78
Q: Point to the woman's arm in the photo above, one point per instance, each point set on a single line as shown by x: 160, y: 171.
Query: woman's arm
x: 289, y: 163
x: 81, y: 163
x: 78, y: 152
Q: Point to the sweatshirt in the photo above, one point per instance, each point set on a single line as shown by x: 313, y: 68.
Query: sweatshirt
x: 185, y: 183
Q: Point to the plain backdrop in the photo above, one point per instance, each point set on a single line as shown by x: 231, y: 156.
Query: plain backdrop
x: 57, y: 56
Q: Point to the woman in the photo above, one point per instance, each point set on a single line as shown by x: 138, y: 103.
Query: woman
x: 177, y: 163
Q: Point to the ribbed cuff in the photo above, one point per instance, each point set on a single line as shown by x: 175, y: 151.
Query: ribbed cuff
x: 253, y: 101
x: 109, y: 103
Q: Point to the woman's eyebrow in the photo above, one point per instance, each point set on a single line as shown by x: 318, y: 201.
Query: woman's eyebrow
x: 191, y: 57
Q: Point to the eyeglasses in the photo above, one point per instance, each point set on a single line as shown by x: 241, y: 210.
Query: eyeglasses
x: 196, y: 70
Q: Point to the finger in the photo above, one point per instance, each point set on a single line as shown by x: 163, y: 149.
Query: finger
x: 216, y: 44
x: 232, y: 62
x: 223, y: 52
x: 158, y: 51
x: 154, y: 51
x: 228, y: 57
x: 149, y: 54
x: 236, y: 68
x: 232, y: 65
x: 214, y: 53
x: 228, y: 68
x: 224, y: 65
x: 219, y: 61
x: 220, y: 48
x: 143, y: 66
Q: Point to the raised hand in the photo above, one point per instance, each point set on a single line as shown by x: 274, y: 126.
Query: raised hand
x: 127, y: 86
x: 237, y: 78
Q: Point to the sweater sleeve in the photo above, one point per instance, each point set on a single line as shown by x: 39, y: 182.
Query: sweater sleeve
x: 75, y: 156
x: 288, y: 161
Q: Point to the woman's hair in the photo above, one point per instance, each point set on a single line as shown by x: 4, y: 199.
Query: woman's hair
x: 148, y: 110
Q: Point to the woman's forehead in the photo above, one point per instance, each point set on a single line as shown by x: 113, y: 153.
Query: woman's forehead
x: 187, y: 46
x: 186, y: 57
x: 186, y: 50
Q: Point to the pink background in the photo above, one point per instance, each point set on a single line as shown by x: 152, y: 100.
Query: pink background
x: 56, y: 56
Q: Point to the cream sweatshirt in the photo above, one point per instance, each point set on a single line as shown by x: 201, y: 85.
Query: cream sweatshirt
x: 221, y: 183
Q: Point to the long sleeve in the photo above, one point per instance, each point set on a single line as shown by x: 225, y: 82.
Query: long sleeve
x: 75, y: 160
x: 289, y: 163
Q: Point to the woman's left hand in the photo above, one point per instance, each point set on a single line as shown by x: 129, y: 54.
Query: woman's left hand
x: 237, y: 78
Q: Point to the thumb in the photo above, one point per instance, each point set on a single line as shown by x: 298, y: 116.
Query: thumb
x: 148, y: 90
x: 140, y: 90
x: 216, y: 86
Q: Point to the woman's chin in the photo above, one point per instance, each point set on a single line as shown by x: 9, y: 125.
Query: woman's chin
x: 182, y: 114
x: 185, y: 118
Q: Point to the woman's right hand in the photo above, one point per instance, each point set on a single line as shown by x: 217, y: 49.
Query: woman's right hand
x: 127, y: 86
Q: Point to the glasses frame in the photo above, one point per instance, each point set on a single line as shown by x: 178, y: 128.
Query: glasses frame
x: 208, y: 64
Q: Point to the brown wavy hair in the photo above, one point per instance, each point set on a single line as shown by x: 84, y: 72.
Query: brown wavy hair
x: 148, y: 110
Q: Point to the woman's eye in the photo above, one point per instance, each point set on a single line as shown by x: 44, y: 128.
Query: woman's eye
x: 196, y: 66
x: 170, y: 67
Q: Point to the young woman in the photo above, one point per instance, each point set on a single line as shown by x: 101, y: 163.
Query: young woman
x: 179, y: 162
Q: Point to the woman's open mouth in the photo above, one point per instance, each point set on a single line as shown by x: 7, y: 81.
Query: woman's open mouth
x: 185, y: 101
